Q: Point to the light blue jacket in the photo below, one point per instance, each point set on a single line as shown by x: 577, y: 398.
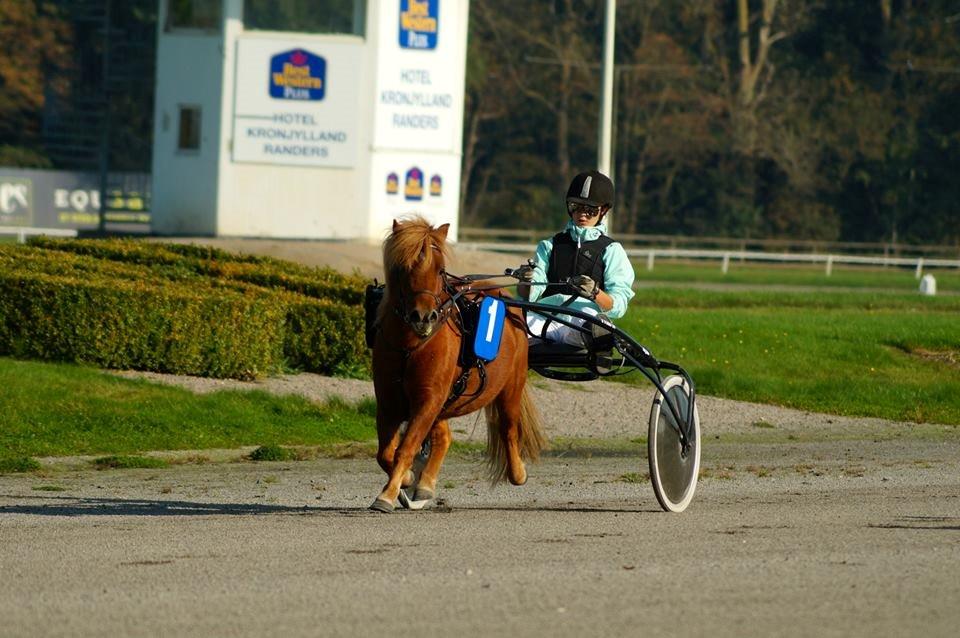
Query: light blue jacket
x: 617, y: 272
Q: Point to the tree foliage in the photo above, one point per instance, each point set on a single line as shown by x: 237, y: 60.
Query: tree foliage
x: 779, y: 118
x: 821, y: 119
x: 34, y: 43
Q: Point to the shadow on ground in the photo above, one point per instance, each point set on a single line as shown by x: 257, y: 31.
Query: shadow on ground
x: 73, y: 506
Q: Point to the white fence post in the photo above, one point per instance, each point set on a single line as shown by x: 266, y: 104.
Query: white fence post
x: 919, y: 272
x: 650, y: 259
x: 726, y: 263
x: 829, y: 265
x: 22, y: 232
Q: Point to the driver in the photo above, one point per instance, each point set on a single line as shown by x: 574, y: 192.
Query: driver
x: 582, y: 253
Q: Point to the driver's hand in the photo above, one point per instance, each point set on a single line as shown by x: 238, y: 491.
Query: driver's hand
x: 585, y: 286
x: 524, y: 274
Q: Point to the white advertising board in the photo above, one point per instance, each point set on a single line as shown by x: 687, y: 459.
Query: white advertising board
x: 420, y: 75
x: 296, y: 102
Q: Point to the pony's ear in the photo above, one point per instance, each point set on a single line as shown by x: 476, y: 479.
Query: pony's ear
x: 442, y: 231
x: 396, y: 225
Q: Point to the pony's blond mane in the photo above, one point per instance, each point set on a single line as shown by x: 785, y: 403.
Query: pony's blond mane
x: 412, y: 246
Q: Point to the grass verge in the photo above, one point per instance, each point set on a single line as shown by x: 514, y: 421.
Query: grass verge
x: 17, y: 464
x: 766, y: 274
x: 128, y: 462
x: 63, y: 409
x: 272, y: 453
x: 856, y: 354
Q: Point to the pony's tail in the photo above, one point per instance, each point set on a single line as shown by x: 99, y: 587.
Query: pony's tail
x: 530, y: 438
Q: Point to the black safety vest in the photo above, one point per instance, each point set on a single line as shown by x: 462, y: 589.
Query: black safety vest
x: 567, y: 260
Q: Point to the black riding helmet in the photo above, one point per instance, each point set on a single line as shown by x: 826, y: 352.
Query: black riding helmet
x: 592, y: 188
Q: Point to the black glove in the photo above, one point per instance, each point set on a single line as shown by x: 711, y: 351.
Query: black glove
x: 585, y: 286
x: 524, y: 274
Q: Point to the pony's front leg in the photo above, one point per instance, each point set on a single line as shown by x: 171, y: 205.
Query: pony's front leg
x: 388, y: 439
x: 417, y: 430
x: 440, y: 439
x: 391, y: 409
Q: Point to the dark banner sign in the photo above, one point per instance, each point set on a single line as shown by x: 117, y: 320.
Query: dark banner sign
x: 71, y: 199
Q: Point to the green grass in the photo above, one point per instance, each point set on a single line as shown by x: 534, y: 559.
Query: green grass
x: 752, y: 273
x: 860, y: 353
x: 271, y: 453
x: 128, y: 462
x: 15, y: 464
x: 61, y: 409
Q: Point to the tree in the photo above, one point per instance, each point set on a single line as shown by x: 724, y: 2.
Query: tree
x: 35, y: 42
x: 545, y: 51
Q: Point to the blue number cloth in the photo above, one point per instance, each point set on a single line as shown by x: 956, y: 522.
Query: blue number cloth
x: 486, y: 342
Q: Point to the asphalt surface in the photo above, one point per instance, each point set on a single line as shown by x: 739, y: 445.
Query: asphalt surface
x: 839, y: 538
x: 802, y: 525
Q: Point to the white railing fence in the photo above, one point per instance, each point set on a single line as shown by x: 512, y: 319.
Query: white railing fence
x: 887, y: 249
x: 22, y: 232
x: 724, y: 257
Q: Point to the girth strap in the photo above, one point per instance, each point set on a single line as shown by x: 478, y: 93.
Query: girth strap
x: 460, y: 385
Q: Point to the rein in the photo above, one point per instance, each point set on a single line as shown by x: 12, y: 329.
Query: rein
x: 455, y: 287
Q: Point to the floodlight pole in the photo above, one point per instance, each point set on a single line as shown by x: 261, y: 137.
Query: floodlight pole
x: 604, y: 146
x: 105, y: 125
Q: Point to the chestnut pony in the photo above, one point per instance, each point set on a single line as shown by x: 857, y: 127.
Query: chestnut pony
x: 416, y: 364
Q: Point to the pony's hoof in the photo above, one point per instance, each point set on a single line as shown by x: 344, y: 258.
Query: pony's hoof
x: 424, y: 494
x: 416, y: 503
x: 382, y: 505
x: 519, y: 479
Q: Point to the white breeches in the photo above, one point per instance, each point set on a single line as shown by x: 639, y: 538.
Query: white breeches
x: 556, y: 331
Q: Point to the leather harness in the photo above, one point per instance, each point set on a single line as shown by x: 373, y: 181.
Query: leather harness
x: 466, y: 315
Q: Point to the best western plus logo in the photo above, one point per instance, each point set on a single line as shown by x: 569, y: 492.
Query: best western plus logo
x: 413, y: 187
x: 419, y: 23
x: 298, y: 75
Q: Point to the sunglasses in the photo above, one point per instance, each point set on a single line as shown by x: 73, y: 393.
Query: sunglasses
x: 575, y: 208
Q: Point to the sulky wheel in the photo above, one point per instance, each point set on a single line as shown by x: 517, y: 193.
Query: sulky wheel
x: 673, y: 470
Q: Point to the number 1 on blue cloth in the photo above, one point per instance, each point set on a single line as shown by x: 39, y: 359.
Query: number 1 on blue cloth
x: 486, y: 341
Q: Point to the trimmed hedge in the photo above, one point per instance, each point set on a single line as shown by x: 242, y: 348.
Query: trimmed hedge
x: 123, y: 324
x: 168, y: 308
x: 325, y: 336
x: 187, y: 261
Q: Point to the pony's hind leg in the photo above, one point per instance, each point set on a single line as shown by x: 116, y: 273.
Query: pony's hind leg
x: 508, y: 417
x: 514, y: 435
x: 440, y: 439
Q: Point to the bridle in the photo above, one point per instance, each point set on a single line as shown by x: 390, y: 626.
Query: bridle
x: 442, y: 308
x: 453, y: 286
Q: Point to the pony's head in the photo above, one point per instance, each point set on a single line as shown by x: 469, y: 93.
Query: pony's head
x: 414, y: 255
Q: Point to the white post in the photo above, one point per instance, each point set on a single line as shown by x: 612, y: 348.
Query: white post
x: 726, y: 263
x: 829, y: 265
x: 21, y: 235
x: 919, y: 272
x: 604, y: 146
x: 650, y: 259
